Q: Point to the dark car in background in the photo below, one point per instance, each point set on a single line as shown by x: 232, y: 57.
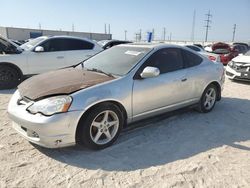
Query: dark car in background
x: 241, y: 48
x: 110, y: 43
x: 242, y: 43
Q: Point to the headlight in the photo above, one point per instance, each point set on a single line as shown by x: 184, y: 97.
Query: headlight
x: 51, y: 105
x: 231, y: 64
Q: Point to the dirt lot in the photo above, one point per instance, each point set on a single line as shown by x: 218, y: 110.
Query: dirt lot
x: 185, y: 150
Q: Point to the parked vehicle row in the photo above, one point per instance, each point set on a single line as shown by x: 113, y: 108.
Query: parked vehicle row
x: 227, y: 52
x: 91, y: 103
x: 212, y: 56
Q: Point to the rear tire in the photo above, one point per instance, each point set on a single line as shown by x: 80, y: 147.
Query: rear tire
x: 100, y: 127
x: 208, y: 99
x: 9, y: 77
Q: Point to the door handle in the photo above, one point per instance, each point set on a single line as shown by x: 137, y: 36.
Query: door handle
x: 60, y: 57
x: 184, y: 79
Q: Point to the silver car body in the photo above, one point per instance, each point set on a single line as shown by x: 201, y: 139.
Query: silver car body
x: 139, y: 99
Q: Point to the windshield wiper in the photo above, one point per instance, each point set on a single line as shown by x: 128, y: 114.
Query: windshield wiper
x: 100, y: 71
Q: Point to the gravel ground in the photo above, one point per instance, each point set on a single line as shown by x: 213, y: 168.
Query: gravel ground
x: 188, y: 149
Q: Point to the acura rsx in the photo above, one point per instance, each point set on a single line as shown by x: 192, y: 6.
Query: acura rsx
x: 91, y: 102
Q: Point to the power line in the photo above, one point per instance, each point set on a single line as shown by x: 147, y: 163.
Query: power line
x: 208, y: 22
x: 234, y: 30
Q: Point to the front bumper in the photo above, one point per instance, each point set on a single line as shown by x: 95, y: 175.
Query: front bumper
x: 48, y: 131
x: 237, y: 75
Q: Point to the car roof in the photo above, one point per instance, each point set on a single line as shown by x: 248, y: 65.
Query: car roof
x: 68, y: 37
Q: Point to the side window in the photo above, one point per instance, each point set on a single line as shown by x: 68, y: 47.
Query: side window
x: 75, y: 44
x: 53, y: 45
x: 191, y: 59
x: 166, y: 60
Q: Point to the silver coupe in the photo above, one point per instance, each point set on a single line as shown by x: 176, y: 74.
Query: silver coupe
x: 91, y: 103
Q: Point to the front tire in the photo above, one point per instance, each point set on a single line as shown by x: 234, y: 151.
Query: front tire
x: 9, y: 77
x: 208, y: 99
x: 100, y: 127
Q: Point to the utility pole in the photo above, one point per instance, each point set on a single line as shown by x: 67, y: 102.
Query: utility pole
x: 193, y: 26
x: 164, y: 33
x: 140, y: 35
x: 105, y: 29
x: 234, y: 30
x: 125, y: 32
x: 153, y: 34
x: 109, y: 28
x: 170, y: 36
x: 208, y: 22
x: 39, y: 26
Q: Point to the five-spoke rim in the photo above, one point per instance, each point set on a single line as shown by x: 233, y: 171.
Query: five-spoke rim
x: 104, y: 127
x: 210, y: 98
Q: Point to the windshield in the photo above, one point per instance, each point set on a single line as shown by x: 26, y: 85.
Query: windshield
x: 118, y: 60
x: 29, y: 45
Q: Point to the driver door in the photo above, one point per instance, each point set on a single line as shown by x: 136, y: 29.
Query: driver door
x: 166, y: 90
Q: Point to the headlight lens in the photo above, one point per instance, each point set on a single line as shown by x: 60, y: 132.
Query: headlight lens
x: 231, y: 64
x: 51, y: 105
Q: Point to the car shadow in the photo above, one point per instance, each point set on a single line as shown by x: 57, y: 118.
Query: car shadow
x: 166, y: 139
x: 242, y: 82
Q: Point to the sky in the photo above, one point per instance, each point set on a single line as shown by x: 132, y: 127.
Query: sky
x: 132, y: 15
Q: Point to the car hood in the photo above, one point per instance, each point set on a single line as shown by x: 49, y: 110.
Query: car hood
x: 220, y: 45
x: 9, y: 45
x: 64, y: 81
x: 242, y: 59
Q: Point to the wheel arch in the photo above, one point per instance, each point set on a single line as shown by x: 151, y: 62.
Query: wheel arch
x: 218, y: 87
x: 118, y: 104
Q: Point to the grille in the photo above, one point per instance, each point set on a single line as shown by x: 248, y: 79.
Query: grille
x: 242, y: 67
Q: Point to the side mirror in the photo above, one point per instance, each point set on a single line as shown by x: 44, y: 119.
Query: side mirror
x: 150, y: 72
x: 39, y: 49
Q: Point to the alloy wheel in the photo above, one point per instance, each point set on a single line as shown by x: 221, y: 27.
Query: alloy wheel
x: 104, y: 127
x: 210, y: 98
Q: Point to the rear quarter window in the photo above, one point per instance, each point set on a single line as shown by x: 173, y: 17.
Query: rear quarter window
x: 75, y: 44
x: 191, y: 59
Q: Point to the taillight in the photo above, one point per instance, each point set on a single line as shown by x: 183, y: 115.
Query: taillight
x: 212, y: 58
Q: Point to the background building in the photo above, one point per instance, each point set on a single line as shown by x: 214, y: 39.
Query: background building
x: 25, y: 33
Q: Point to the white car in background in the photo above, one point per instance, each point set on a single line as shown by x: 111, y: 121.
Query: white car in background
x: 239, y: 67
x: 211, y: 56
x: 41, y: 55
